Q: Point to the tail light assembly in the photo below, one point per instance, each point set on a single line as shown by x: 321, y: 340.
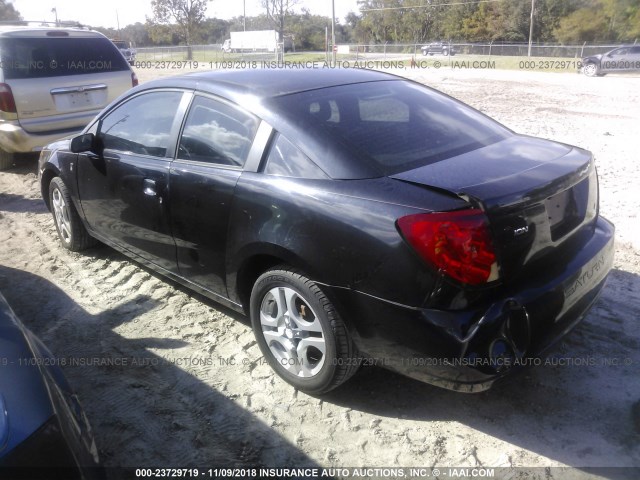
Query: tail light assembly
x: 457, y: 244
x: 7, y: 102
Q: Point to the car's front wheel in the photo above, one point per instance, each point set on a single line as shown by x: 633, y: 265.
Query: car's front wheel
x: 6, y: 160
x: 590, y: 70
x: 300, y: 332
x: 71, y: 231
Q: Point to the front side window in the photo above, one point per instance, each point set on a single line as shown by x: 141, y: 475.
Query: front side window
x: 142, y: 125
x: 217, y: 133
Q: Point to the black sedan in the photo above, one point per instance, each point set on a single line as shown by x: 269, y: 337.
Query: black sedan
x: 356, y: 217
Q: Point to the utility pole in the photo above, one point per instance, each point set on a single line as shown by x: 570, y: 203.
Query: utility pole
x: 533, y: 3
x: 244, y: 15
x: 333, y: 32
x: 55, y: 10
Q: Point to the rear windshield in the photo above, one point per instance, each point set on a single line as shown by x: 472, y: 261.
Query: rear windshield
x: 54, y: 57
x: 394, y: 126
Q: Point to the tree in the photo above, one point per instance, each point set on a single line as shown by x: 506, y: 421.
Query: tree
x: 185, y: 15
x: 277, y: 10
x: 8, y: 11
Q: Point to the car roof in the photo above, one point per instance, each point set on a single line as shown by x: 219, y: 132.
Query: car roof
x: 44, y: 31
x: 267, y: 82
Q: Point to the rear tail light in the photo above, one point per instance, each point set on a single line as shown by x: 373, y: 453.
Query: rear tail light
x: 7, y: 102
x: 134, y: 79
x: 457, y: 243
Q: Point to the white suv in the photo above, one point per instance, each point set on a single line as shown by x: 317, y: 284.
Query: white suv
x: 53, y: 81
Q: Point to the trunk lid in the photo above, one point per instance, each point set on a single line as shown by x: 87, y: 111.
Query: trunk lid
x: 536, y: 194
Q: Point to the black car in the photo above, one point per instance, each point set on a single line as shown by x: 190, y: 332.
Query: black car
x: 625, y: 59
x: 351, y: 214
x: 44, y: 433
x: 441, y: 48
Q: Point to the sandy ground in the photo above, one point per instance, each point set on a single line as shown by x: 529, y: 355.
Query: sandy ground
x: 192, y: 389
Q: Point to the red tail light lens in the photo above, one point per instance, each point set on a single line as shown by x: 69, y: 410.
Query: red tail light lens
x: 134, y: 80
x: 457, y: 243
x: 7, y: 102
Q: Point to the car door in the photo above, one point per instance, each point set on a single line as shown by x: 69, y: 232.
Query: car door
x: 616, y: 60
x: 124, y: 190
x: 215, y: 143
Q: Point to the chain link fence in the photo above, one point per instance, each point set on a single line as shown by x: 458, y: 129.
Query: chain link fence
x: 214, y: 52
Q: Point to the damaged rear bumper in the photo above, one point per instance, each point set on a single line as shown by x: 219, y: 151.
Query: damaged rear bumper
x: 469, y: 350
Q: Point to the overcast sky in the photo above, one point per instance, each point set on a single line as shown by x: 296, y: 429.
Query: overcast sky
x: 106, y: 13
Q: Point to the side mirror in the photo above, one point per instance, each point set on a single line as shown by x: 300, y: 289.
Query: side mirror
x: 84, y: 143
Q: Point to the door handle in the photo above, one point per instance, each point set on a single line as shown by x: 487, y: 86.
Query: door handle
x: 149, y: 187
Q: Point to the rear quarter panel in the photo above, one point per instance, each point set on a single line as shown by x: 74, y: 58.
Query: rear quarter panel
x: 340, y: 233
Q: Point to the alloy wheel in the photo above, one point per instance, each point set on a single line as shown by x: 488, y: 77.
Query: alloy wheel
x: 61, y: 212
x: 293, y: 332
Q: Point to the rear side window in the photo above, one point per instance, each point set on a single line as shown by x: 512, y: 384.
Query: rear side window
x: 287, y: 161
x: 218, y: 133
x: 59, y: 56
x: 142, y: 125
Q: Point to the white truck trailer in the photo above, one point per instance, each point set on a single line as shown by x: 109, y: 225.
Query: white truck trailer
x: 254, y: 41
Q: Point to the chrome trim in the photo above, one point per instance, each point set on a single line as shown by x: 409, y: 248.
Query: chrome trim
x: 79, y: 89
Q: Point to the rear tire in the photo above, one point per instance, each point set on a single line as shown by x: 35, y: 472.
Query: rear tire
x: 71, y: 231
x: 300, y: 333
x: 7, y: 160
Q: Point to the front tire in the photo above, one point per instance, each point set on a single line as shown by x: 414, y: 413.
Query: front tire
x: 73, y: 235
x: 7, y: 160
x: 300, y: 333
x: 590, y: 70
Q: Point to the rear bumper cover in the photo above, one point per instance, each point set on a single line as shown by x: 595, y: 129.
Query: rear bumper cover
x: 14, y: 139
x: 499, y: 338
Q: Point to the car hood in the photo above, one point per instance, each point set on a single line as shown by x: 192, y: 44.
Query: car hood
x: 24, y: 399
x: 593, y: 57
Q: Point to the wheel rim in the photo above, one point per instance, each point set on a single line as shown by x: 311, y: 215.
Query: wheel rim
x: 590, y: 69
x: 61, y: 212
x: 293, y: 332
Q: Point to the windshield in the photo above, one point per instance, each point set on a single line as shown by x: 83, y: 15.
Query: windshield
x: 54, y: 57
x: 394, y: 126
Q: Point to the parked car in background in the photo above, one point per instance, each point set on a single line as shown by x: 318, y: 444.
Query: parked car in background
x: 349, y: 213
x: 441, y: 48
x: 44, y: 432
x: 625, y: 59
x: 53, y: 81
x: 127, y: 50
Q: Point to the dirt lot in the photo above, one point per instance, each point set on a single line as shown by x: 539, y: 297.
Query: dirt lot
x: 194, y: 391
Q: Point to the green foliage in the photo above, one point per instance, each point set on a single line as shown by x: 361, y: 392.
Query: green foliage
x: 391, y: 21
x: 8, y: 11
x: 185, y: 16
x: 277, y: 11
x: 575, y: 21
x: 601, y: 21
